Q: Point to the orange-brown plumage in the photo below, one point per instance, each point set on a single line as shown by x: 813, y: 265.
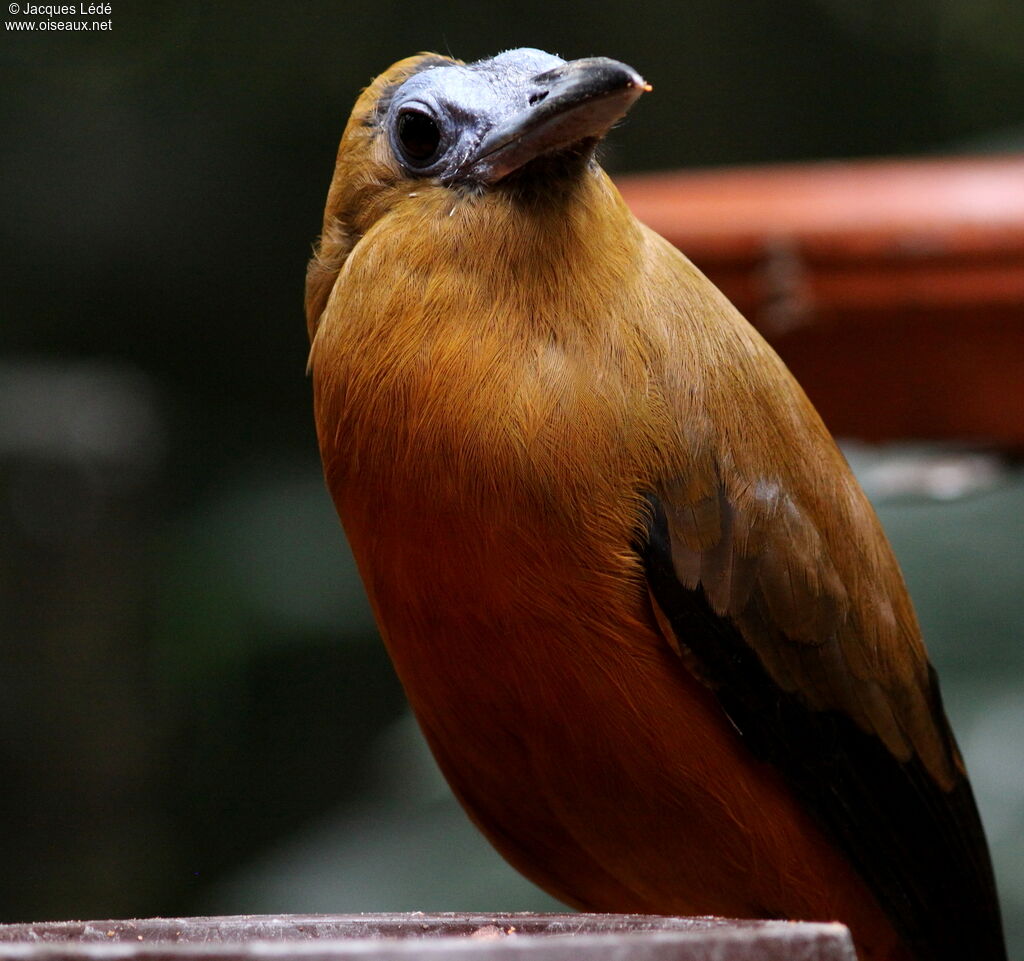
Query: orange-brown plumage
x: 513, y: 380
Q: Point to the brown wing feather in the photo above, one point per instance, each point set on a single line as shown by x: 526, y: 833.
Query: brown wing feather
x: 777, y: 533
x: 770, y: 575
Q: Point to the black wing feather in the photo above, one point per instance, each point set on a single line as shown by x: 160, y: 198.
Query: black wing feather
x: 921, y: 849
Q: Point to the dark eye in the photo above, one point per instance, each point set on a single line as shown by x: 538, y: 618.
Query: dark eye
x: 419, y: 137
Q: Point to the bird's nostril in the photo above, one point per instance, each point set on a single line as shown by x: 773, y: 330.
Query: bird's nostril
x: 536, y: 98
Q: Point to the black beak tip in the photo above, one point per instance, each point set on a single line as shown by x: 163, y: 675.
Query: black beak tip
x: 594, y: 77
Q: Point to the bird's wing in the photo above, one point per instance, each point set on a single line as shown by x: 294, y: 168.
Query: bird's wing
x: 770, y: 576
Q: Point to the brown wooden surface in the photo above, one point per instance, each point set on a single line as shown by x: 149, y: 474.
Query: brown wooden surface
x: 438, y: 937
x: 893, y: 289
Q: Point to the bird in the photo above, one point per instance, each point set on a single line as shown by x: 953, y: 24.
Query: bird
x: 647, y: 620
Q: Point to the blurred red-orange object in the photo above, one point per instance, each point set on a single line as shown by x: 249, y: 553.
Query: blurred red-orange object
x: 894, y: 290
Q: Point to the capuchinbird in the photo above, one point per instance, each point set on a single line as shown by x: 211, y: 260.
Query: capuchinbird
x: 645, y: 616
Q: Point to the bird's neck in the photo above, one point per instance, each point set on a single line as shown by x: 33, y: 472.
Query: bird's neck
x: 466, y: 336
x: 546, y: 254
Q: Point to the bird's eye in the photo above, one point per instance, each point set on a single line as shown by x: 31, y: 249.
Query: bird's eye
x: 419, y: 137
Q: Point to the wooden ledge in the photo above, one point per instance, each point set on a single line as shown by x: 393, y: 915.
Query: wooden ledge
x: 402, y: 937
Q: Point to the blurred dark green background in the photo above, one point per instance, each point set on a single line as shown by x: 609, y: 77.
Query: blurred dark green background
x: 196, y: 715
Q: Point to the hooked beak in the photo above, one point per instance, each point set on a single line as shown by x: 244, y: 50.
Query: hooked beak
x: 575, y: 102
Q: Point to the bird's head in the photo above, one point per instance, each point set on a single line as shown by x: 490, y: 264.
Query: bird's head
x: 430, y: 124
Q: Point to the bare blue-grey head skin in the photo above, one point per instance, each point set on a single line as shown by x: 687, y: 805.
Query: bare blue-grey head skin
x: 477, y: 123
